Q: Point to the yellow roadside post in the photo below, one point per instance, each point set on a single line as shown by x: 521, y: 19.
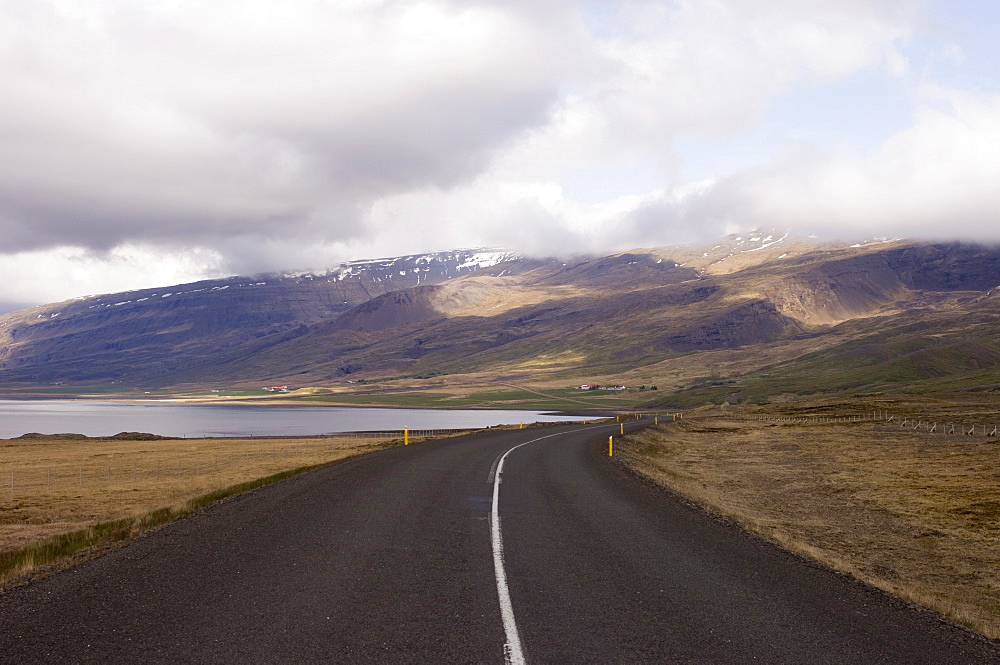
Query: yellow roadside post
x: 656, y: 420
x: 621, y: 428
x: 406, y: 436
x: 611, y: 446
x: 521, y: 426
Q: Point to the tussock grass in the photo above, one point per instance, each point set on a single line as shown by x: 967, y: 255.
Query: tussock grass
x: 70, y: 497
x: 913, y: 514
x: 20, y: 563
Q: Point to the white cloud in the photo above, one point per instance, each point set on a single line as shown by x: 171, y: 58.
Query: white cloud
x: 260, y: 135
x: 661, y: 71
x: 55, y: 274
x: 936, y: 179
x: 125, y: 122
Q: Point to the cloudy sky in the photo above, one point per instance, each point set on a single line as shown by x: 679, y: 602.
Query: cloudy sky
x: 148, y: 142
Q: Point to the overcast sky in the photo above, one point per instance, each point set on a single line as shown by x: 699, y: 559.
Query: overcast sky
x: 149, y: 142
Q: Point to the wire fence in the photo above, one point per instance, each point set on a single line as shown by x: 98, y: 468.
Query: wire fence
x: 924, y: 424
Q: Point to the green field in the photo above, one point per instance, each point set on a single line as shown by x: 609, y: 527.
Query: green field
x: 557, y: 399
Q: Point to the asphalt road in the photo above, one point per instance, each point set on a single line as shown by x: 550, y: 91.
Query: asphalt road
x: 397, y: 557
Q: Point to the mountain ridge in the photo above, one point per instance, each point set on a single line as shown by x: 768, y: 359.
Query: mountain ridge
x: 631, y: 314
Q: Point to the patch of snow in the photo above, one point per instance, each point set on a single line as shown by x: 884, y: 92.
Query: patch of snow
x: 124, y: 302
x: 783, y: 256
x: 768, y: 244
x: 54, y: 315
x: 166, y: 295
x: 142, y: 299
x: 485, y: 260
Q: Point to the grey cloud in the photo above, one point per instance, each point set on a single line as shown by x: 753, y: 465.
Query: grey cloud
x: 154, y: 134
x: 266, y: 135
x: 671, y: 222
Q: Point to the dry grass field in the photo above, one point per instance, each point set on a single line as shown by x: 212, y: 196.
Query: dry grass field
x: 914, y: 513
x: 51, y: 487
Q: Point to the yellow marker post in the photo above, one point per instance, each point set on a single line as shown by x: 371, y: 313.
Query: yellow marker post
x: 621, y: 428
x: 521, y: 426
x: 611, y: 446
x: 406, y: 436
x: 656, y: 420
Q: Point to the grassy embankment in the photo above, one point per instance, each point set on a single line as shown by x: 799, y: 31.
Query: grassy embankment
x: 59, y: 498
x: 914, y: 513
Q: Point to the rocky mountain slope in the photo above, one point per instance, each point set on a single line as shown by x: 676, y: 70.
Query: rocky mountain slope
x: 137, y: 335
x: 748, y: 316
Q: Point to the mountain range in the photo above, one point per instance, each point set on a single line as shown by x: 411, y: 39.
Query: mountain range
x: 747, y: 317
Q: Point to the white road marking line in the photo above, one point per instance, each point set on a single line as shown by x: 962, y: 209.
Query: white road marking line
x: 513, y: 652
x: 493, y: 470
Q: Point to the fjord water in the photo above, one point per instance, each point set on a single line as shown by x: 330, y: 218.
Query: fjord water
x: 96, y: 418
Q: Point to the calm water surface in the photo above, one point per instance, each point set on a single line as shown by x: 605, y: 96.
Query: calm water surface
x: 95, y: 418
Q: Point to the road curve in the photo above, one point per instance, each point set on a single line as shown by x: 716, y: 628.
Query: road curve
x: 390, y: 558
